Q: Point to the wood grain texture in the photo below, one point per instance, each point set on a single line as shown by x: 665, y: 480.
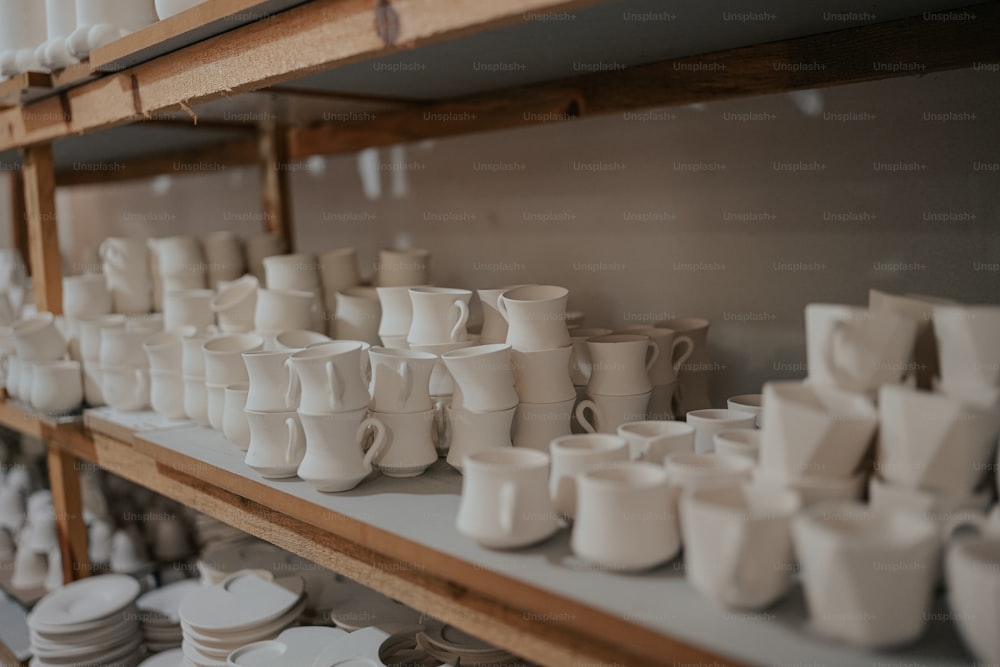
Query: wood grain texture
x: 275, y: 190
x: 19, y: 218
x: 43, y: 232
x: 24, y: 87
x: 64, y: 480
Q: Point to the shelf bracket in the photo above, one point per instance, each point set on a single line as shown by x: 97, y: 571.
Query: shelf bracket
x: 43, y: 230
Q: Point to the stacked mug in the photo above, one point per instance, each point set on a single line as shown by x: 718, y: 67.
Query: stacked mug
x: 89, y: 332
x: 224, y: 367
x: 176, y: 263
x: 124, y: 366
x: 619, y: 388
x: 43, y: 378
x: 338, y: 270
x: 271, y: 396
x: 692, y: 371
x: 125, y: 263
x: 235, y: 305
x: 164, y: 350
x: 396, y: 315
x: 84, y: 297
x: 482, y: 408
x: 297, y: 274
x: 675, y: 350
x: 193, y: 376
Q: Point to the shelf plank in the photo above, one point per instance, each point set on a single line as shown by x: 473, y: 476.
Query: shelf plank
x: 125, y: 426
x: 24, y: 87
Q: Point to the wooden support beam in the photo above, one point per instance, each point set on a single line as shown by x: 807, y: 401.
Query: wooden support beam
x: 19, y: 218
x: 64, y: 480
x: 907, y: 47
x: 276, y: 198
x: 43, y: 232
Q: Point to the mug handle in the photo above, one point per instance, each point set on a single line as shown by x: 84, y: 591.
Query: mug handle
x: 581, y: 408
x: 463, y: 318
x: 291, y: 451
x: 380, y: 436
x: 566, y: 487
x: 336, y: 386
x: 442, y: 430
x: 291, y: 394
x: 508, y: 507
x: 688, y: 351
x: 404, y: 395
x: 982, y: 524
x: 502, y: 309
x: 652, y: 345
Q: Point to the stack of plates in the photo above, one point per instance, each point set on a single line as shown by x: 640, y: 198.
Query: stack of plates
x: 246, y: 607
x: 172, y: 658
x: 450, y: 645
x: 220, y: 561
x: 351, y: 606
x: 159, y: 612
x: 87, y: 622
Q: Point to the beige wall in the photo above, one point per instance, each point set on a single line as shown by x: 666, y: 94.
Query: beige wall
x: 612, y: 209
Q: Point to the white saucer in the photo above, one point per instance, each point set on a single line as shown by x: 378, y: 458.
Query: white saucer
x: 85, y: 601
x: 171, y: 658
x: 355, y: 606
x: 242, y: 601
x: 165, y: 602
x: 295, y: 646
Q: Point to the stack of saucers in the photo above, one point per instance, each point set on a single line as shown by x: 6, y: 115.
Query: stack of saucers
x: 454, y: 647
x: 159, y: 614
x: 246, y: 607
x: 88, y: 622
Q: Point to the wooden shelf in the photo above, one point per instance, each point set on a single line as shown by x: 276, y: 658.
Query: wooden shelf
x: 398, y: 537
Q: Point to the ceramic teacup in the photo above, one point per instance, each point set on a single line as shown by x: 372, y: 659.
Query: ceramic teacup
x: 90, y: 334
x: 743, y: 442
x: 358, y: 314
x: 334, y: 459
x: 505, y: 500
x: 625, y: 518
x: 277, y: 444
x: 271, y: 385
x: 38, y: 338
x: 196, y: 400
x: 86, y: 296
x: 294, y: 340
x: 166, y: 393
x: 281, y: 310
x: 738, y: 543
x: 572, y: 455
x: 57, y: 386
x: 693, y: 374
x: 401, y: 380
x: 125, y: 388
x: 543, y: 376
x: 610, y: 412
x: 330, y: 377
x: 397, y: 310
x: 967, y: 349
x: 475, y: 431
x: 752, y: 403
x: 483, y: 376
x: 193, y: 354
x: 494, y: 328
x: 409, y: 443
x: 620, y: 364
x: 709, y: 422
x: 536, y: 317
x: 934, y: 442
x: 235, y: 426
x: 868, y: 575
x: 653, y: 441
x: 402, y: 267
x: 537, y: 424
x: 814, y: 431
x: 580, y: 364
x: 235, y: 305
x: 224, y: 363
x: 439, y: 315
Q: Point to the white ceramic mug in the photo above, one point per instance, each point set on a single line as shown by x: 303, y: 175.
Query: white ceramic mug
x: 693, y: 374
x: 196, y: 400
x: 814, y: 431
x: 130, y: 295
x: 402, y: 267
x: 123, y: 256
x: 856, y: 349
x: 653, y: 441
x: 743, y: 442
x: 972, y: 569
x: 709, y: 422
x: 358, y: 315
x: 934, y: 442
x: 216, y: 401
x: 330, y: 377
x: 397, y: 310
x: 752, y: 403
x: 86, y: 296
x: 297, y: 271
x: 335, y: 460
x: 125, y: 388
x: 663, y: 369
x: 610, y: 412
x: 572, y: 455
x: 294, y: 340
x: 235, y: 426
x: 409, y: 447
x: 235, y: 305
x: 277, y: 443
x: 538, y: 424
x: 401, y: 380
x: 338, y: 269
x: 57, y: 386
x: 193, y: 354
x: 581, y: 367
x: 224, y: 363
x: 258, y: 247
x: 272, y: 388
x: 543, y: 376
x: 494, y: 329
x: 625, y: 518
x: 483, y: 377
x: 476, y: 431
x: 439, y: 315
x: 868, y: 575
x: 967, y: 350
x: 620, y: 364
x: 738, y: 543
x: 282, y: 310
x: 123, y: 347
x: 505, y: 500
x: 165, y: 350
x: 166, y: 393
x: 536, y: 317
x: 37, y: 338
x: 93, y: 392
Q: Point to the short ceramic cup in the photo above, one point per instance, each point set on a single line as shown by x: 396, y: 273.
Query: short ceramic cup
x: 224, y: 363
x: 738, y: 543
x: 476, y: 431
x: 709, y: 422
x: 166, y: 393
x: 868, y: 575
x: 625, y: 519
x: 277, y: 444
x: 57, y: 386
x: 37, y: 338
x: 196, y: 400
x: 401, y: 380
x: 610, y: 412
x: 752, y: 403
x: 543, y: 376
x: 743, y: 442
x: 235, y: 426
x: 483, y: 377
x: 125, y: 388
x: 653, y: 441
x: 334, y: 459
x: 409, y: 443
x: 572, y: 455
x: 537, y: 424
x: 505, y: 501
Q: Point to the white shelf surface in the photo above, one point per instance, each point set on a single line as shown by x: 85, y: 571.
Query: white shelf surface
x: 423, y: 510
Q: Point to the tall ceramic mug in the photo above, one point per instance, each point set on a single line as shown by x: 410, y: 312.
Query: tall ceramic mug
x: 401, y: 380
x: 38, y: 338
x: 397, y: 310
x: 86, y: 296
x: 536, y: 317
x: 439, y: 315
x: 621, y: 364
x: 693, y: 374
x: 575, y: 454
x: 271, y: 386
x: 494, y: 325
x: 330, y: 377
x: 483, y: 376
x: 581, y: 365
x: 674, y: 349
